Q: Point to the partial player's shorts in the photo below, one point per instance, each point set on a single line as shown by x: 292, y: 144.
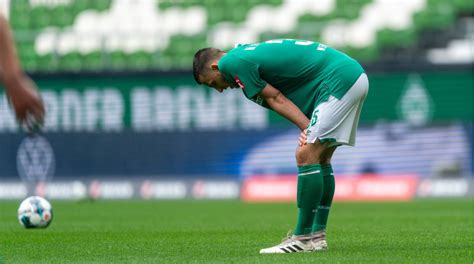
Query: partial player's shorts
x: 336, y: 120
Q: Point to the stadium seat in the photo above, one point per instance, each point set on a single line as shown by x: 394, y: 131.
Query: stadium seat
x: 464, y: 6
x: 47, y: 63
x: 364, y: 54
x: 40, y: 17
x: 80, y: 6
x: 139, y: 60
x: 61, y: 16
x: 434, y: 17
x: 130, y: 35
x: 117, y: 60
x: 92, y: 61
x: 100, y: 5
x: 165, y: 62
x: 389, y: 38
x: 25, y: 48
x: 71, y: 62
x: 20, y: 23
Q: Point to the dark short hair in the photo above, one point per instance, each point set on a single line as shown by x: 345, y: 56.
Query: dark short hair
x: 202, y: 59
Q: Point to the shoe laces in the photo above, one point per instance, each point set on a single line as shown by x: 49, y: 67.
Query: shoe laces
x: 319, y: 236
x: 289, y: 236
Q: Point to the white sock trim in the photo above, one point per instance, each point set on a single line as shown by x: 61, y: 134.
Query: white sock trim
x: 307, y: 173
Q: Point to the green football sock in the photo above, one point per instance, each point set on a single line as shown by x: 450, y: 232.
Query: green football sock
x: 322, y: 211
x: 310, y: 187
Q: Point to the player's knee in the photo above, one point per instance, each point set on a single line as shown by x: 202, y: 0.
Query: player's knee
x: 300, y: 156
x: 307, y: 154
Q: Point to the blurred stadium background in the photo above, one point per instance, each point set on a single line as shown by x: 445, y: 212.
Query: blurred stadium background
x: 126, y: 120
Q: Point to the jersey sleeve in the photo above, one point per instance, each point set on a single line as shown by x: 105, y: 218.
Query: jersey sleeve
x: 246, y: 75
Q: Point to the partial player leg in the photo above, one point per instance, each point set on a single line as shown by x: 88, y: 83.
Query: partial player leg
x: 309, y: 193
x: 310, y: 185
x: 322, y: 210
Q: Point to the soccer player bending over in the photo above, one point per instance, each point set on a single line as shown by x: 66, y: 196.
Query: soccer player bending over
x: 319, y: 89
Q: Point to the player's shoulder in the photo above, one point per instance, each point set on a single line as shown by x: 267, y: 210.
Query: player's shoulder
x: 234, y: 58
x: 237, y: 52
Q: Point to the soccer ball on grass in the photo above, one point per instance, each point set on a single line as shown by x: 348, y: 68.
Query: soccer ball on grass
x: 35, y: 212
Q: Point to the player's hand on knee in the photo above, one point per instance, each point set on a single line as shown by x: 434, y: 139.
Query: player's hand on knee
x: 302, y: 138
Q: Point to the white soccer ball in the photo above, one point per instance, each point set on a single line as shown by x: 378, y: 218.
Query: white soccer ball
x: 35, y: 212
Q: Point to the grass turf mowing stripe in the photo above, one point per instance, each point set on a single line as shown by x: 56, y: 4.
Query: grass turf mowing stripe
x: 231, y: 231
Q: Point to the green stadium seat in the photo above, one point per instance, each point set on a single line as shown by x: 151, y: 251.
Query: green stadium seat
x: 388, y: 38
x: 237, y: 16
x: 117, y: 60
x: 163, y: 5
x: 463, y: 6
x: 165, y: 62
x: 184, y: 47
x: 40, y: 17
x: 433, y: 18
x: 22, y: 4
x: 18, y: 19
x: 216, y: 15
x: 27, y: 55
x: 140, y: 60
x: 47, y: 63
x: 30, y: 64
x: 79, y: 6
x: 362, y: 54
x: 275, y: 2
x: 92, y: 61
x: 154, y: 60
x: 209, y: 3
x: 101, y: 5
x: 71, y: 62
x: 184, y: 59
x: 62, y: 16
x: 19, y: 22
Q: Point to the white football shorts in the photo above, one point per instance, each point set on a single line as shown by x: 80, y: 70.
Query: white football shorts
x: 336, y: 120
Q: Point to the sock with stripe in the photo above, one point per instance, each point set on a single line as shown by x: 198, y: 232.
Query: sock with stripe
x: 309, y: 192
x: 322, y: 211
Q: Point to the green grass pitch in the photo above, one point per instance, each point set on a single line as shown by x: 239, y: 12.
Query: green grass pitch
x: 422, y: 231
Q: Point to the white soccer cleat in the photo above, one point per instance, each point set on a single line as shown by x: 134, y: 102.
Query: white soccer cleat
x: 318, y: 241
x: 290, y: 244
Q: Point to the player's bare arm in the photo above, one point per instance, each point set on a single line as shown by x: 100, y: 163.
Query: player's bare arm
x: 282, y: 105
x: 9, y: 65
x: 21, y: 91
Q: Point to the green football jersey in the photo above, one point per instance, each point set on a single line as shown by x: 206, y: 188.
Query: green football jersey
x: 306, y: 72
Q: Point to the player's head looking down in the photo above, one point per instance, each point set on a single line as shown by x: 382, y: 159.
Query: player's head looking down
x: 206, y: 70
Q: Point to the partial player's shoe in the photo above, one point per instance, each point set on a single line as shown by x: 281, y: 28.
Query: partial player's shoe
x: 290, y: 244
x: 318, y: 241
